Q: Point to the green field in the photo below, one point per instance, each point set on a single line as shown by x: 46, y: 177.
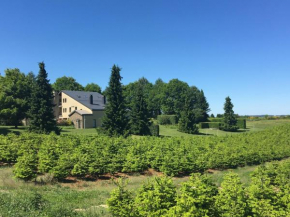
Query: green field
x: 168, y: 130
x: 87, y: 197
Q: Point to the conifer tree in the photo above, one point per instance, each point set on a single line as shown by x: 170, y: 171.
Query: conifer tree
x: 231, y: 199
x: 115, y: 121
x: 41, y: 106
x: 230, y: 121
x: 139, y: 120
x: 187, y: 121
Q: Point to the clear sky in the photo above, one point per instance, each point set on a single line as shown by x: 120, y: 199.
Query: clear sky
x: 236, y: 48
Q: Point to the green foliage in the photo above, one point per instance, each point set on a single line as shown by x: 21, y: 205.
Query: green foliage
x: 231, y: 199
x: 196, y: 197
x: 154, y: 129
x: 230, y: 121
x: 115, y: 121
x: 174, y: 96
x: 41, y: 107
x: 167, y: 119
x: 187, y: 121
x: 66, y: 83
x: 15, y: 91
x: 155, y: 197
x: 121, y: 200
x: 139, y: 118
x: 83, y: 155
x: 241, y: 123
x: 92, y: 87
x: 204, y: 125
x: 26, y: 166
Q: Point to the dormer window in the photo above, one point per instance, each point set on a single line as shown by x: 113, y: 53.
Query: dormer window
x: 91, y: 99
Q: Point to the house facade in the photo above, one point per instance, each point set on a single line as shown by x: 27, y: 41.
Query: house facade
x: 84, y: 109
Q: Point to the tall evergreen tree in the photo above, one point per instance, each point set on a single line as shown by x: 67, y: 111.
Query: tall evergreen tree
x: 41, y: 106
x: 139, y: 119
x: 187, y: 121
x: 115, y: 121
x: 230, y: 121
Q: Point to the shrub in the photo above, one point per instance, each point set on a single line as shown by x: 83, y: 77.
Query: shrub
x: 204, y: 125
x: 167, y: 119
x: 62, y: 122
x: 241, y: 123
x: 154, y: 129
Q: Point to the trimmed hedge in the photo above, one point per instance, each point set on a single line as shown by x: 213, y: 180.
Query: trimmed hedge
x: 167, y: 119
x: 241, y: 122
x: 203, y: 125
x: 154, y: 130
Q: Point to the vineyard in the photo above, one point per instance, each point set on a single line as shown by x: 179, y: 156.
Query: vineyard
x: 267, y: 195
x: 83, y: 156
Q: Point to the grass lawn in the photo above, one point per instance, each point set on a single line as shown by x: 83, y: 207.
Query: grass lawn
x: 252, y: 126
x: 169, y: 130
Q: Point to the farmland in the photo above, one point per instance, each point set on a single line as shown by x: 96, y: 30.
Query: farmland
x: 84, y: 180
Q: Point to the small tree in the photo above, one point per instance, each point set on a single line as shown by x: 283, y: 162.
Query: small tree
x: 139, y: 120
x: 26, y: 166
x: 187, y: 121
x: 230, y: 121
x: 115, y: 121
x: 41, y: 106
x: 231, y: 199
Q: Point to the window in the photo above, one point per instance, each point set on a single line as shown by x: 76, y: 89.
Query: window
x: 76, y: 108
x: 64, y: 110
x: 64, y: 100
x: 91, y: 99
x: 69, y: 109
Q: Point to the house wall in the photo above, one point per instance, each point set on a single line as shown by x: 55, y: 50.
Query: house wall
x: 75, y: 118
x: 71, y: 103
x: 97, y: 115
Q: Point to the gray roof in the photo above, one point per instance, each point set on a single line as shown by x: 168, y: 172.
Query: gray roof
x: 80, y: 112
x: 84, y: 98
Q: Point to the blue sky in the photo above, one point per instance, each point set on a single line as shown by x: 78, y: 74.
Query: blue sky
x: 230, y: 48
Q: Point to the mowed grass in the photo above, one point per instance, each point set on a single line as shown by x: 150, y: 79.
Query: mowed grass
x: 165, y: 130
x: 252, y: 126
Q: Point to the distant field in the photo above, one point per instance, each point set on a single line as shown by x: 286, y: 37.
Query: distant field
x: 252, y: 126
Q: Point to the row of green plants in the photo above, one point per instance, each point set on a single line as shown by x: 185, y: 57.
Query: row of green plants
x: 267, y: 195
x: 78, y: 155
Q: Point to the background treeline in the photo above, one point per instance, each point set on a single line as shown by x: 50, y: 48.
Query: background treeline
x: 266, y: 195
x: 93, y: 156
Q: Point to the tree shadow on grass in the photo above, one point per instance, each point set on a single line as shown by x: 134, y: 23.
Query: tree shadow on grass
x: 4, y: 130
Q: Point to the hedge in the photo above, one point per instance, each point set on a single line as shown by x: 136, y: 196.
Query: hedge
x: 167, y: 119
x: 154, y: 130
x: 241, y: 122
x: 203, y: 125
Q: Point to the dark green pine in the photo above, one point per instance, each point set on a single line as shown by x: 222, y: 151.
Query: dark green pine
x: 230, y: 121
x: 187, y: 121
x: 41, y: 115
x: 139, y: 120
x: 115, y: 121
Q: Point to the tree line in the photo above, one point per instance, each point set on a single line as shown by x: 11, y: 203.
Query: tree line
x: 130, y: 110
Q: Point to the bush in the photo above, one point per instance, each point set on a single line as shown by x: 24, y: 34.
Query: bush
x: 241, y: 123
x: 154, y: 129
x: 167, y: 119
x: 62, y: 122
x: 204, y: 125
